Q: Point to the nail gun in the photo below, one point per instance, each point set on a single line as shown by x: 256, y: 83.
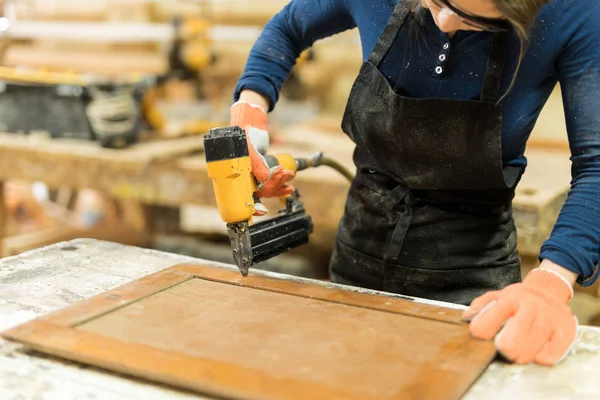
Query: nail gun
x: 229, y: 167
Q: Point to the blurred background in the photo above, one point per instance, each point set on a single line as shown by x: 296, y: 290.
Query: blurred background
x: 103, y: 105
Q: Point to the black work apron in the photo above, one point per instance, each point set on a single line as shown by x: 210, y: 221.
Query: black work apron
x: 429, y: 213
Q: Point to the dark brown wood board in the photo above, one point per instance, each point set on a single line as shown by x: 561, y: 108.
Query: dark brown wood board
x: 212, y: 331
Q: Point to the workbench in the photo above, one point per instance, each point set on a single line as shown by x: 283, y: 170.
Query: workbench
x: 50, y: 278
x: 151, y: 173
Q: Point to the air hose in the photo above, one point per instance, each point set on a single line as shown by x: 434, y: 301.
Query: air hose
x: 318, y: 159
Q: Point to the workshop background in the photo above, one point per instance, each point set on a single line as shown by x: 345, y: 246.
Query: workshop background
x: 104, y: 103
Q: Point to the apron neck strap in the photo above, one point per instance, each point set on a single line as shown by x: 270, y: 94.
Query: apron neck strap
x: 391, y: 30
x: 495, y: 67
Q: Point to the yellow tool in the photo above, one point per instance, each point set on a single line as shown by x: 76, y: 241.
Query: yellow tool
x: 190, y: 55
x: 191, y: 52
x: 229, y: 167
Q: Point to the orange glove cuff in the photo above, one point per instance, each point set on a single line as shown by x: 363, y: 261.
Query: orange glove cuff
x: 244, y: 114
x: 549, y: 283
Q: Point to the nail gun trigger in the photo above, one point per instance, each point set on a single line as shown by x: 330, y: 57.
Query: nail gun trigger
x: 292, y: 204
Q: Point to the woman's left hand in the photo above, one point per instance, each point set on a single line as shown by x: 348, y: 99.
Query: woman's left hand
x: 530, y: 321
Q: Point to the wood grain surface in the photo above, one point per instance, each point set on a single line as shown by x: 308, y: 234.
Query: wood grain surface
x: 212, y: 331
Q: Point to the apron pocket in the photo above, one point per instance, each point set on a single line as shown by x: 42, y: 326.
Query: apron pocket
x: 459, y: 286
x: 351, y: 267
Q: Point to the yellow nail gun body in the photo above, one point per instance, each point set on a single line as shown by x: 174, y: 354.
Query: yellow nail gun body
x: 229, y: 167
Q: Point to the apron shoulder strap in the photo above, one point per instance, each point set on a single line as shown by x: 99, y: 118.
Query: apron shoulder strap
x: 391, y: 30
x: 495, y: 66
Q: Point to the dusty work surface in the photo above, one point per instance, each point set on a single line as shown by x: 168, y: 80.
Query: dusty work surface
x: 44, y: 280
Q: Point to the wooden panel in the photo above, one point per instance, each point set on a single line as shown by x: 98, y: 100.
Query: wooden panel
x: 214, y: 332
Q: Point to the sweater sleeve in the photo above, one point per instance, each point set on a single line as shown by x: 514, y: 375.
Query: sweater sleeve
x: 575, y: 240
x: 294, y: 29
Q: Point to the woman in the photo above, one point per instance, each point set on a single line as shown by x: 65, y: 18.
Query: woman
x: 440, y: 114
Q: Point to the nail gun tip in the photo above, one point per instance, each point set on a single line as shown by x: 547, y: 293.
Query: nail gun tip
x: 244, y: 271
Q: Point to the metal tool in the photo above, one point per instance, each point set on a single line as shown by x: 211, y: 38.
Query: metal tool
x: 229, y: 167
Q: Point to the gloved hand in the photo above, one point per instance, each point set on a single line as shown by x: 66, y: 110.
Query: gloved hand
x: 531, y: 321
x: 272, y: 181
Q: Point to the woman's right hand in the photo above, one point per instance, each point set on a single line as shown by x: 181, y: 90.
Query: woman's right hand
x: 249, y: 113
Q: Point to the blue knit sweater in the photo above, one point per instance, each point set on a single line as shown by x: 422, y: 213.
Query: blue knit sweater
x: 564, y: 47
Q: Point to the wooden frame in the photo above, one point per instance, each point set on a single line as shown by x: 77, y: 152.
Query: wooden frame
x: 461, y: 358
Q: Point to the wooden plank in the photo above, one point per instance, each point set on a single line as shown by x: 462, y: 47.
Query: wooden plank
x: 219, y: 11
x: 127, y: 173
x: 548, y: 143
x: 551, y: 125
x: 18, y: 244
x: 83, y: 164
x: 3, y: 219
x: 211, y: 331
x: 66, y: 10
x: 114, y: 63
x: 134, y: 215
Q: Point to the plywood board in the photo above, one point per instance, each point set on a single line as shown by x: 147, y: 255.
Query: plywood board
x: 215, y: 332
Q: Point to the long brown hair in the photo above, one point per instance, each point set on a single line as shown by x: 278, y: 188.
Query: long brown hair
x: 521, y: 14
